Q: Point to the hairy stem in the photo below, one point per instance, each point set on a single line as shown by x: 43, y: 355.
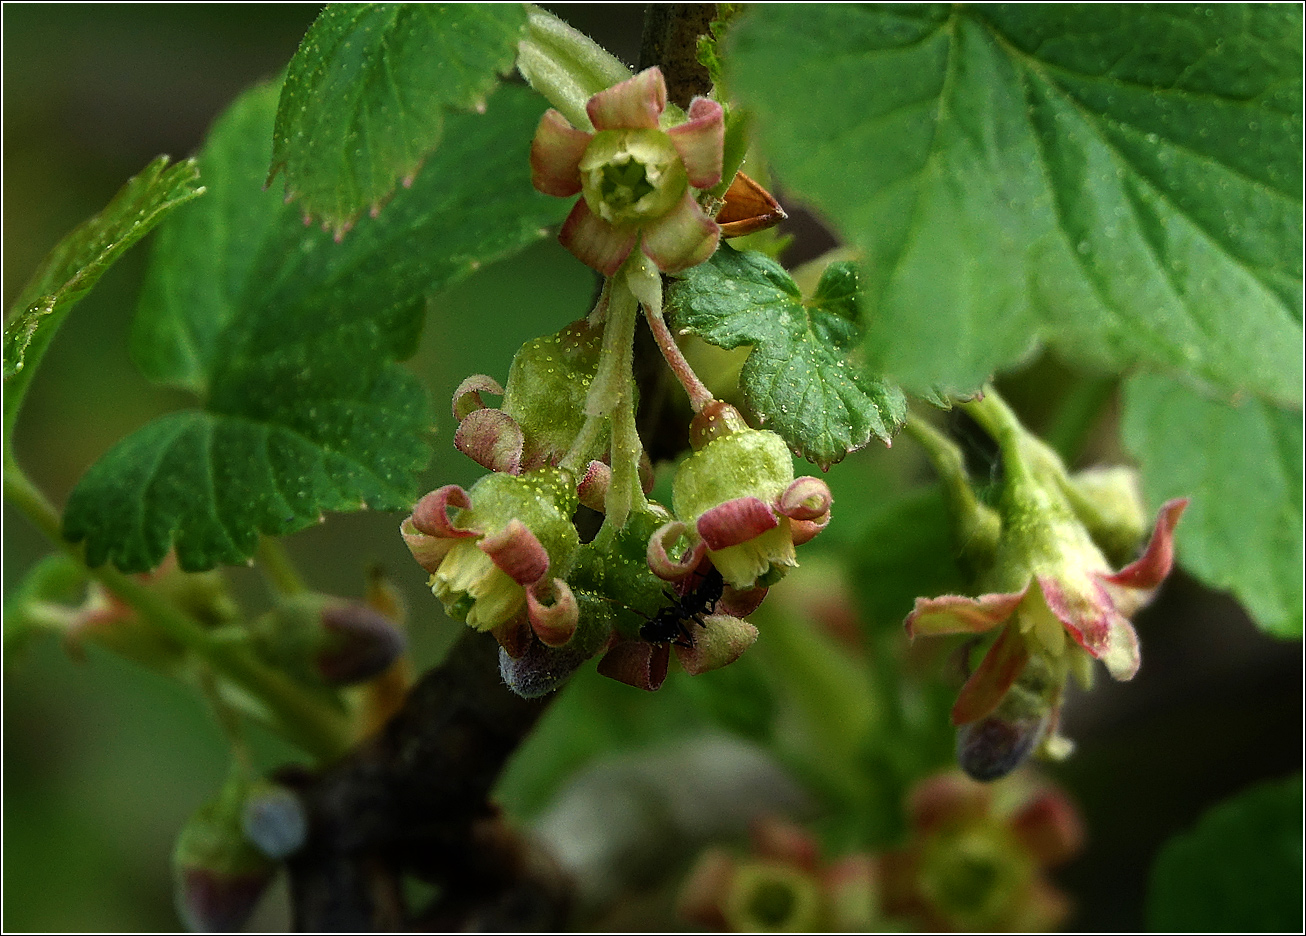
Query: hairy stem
x: 978, y: 525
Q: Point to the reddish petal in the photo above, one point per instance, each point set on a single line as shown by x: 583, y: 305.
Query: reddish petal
x: 555, y: 155
x: 988, y: 684
x: 595, y: 242
x: 593, y: 486
x: 783, y: 841
x: 1154, y: 564
x: 944, y: 800
x: 807, y: 498
x: 636, y: 663
x: 740, y: 603
x: 734, y: 522
x: 804, y: 531
x: 429, y: 551
x: 1050, y: 828
x: 682, y: 238
x: 467, y: 398
x: 748, y: 208
x: 661, y: 562
x: 1094, y: 623
x: 953, y: 614
x: 492, y: 439
x: 555, y: 623
x: 634, y: 104
x: 700, y: 142
x: 431, y: 515
x: 517, y: 552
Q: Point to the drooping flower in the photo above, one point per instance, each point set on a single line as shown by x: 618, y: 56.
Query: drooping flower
x: 499, y: 554
x: 738, y: 495
x: 635, y: 175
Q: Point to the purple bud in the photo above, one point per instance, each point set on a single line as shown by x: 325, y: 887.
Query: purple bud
x: 993, y: 747
x: 274, y: 820
x: 361, y: 643
x: 540, y: 670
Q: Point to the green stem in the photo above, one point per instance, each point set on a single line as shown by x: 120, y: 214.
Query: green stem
x: 978, y: 525
x: 296, y: 714
x: 1025, y: 457
x: 278, y: 569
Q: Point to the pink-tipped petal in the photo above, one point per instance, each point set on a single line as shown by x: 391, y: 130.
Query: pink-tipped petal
x: 595, y: 242
x: 429, y: 551
x: 467, y: 398
x: 593, y: 486
x: 1050, y: 828
x: 492, y: 439
x: 991, y: 680
x: 431, y: 515
x: 736, y: 521
x: 1154, y: 564
x: 634, y: 104
x: 555, y: 623
x: 740, y: 603
x: 682, y: 238
x: 555, y: 155
x: 636, y: 663
x: 953, y: 614
x: 722, y: 640
x: 807, y: 498
x: 1093, y: 622
x: 804, y: 531
x: 517, y: 552
x: 660, y: 560
x: 700, y: 141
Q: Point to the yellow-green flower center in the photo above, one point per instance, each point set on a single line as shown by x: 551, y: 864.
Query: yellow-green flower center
x: 631, y: 176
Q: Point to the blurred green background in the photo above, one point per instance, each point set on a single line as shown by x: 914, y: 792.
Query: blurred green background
x: 103, y: 761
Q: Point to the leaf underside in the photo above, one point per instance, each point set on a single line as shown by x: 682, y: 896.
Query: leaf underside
x: 291, y: 339
x: 1242, y: 468
x: 369, y: 92
x: 801, y: 378
x: 1120, y: 180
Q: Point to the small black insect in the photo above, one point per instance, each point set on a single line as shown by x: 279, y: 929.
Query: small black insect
x: 671, y: 624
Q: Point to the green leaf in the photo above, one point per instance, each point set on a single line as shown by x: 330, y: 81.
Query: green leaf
x: 368, y: 94
x: 292, y: 340
x: 1242, y: 467
x: 1120, y: 180
x: 800, y: 379
x: 1238, y: 871
x: 79, y: 260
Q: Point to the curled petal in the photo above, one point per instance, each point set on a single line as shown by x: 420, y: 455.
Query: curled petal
x: 636, y: 663
x: 946, y: 799
x: 555, y: 155
x: 807, y: 498
x: 682, y: 238
x: 1153, y: 565
x: 805, y: 530
x: 953, y: 614
x: 1091, y: 619
x: 777, y: 838
x: 721, y: 642
x: 735, y: 522
x: 740, y: 602
x: 556, y: 623
x: 1050, y: 828
x: 700, y: 142
x: 431, y: 515
x: 592, y: 488
x: 660, y: 561
x: 595, y: 242
x: 514, y: 636
x: 492, y: 439
x: 467, y: 398
x: 635, y: 103
x: 748, y: 208
x: 517, y: 552
x: 429, y: 551
x: 991, y: 680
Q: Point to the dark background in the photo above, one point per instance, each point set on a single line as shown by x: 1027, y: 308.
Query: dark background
x: 103, y: 761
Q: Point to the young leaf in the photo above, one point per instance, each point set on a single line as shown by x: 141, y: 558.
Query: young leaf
x: 368, y: 93
x: 292, y: 339
x: 1239, y: 870
x: 800, y: 377
x: 1242, y: 467
x: 1121, y: 180
x: 80, y: 259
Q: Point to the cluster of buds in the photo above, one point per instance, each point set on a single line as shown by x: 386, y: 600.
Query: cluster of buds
x: 1047, y: 591
x: 975, y: 860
